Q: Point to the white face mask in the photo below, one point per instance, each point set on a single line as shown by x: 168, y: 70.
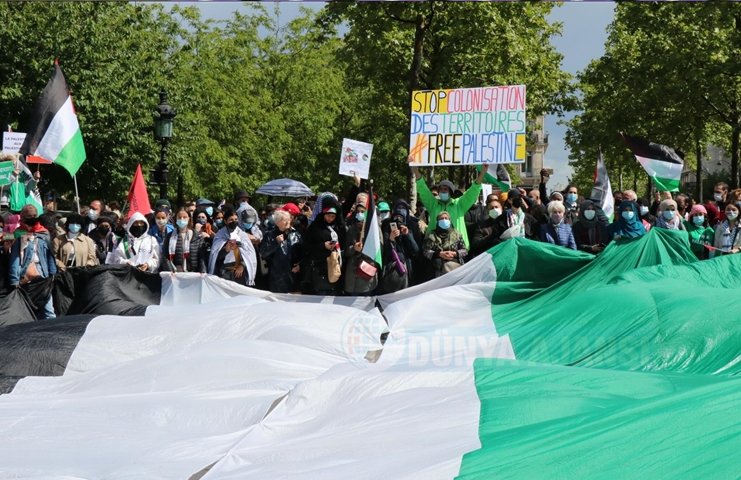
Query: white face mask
x: 731, y: 215
x: 718, y: 197
x: 589, y: 214
x: 161, y: 222
x: 494, y: 213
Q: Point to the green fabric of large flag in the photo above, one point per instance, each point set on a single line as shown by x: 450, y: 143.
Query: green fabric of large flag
x: 499, y: 177
x: 550, y: 421
x: 595, y: 317
x: 55, y: 133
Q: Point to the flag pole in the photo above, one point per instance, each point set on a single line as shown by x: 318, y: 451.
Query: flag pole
x: 77, y: 194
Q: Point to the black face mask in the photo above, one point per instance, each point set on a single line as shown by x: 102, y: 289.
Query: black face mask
x: 137, y: 230
x: 231, y: 226
x: 31, y: 221
x: 104, y: 230
x: 517, y: 202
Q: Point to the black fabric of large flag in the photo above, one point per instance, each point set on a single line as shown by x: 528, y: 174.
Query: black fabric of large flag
x: 49, y: 103
x: 655, y: 151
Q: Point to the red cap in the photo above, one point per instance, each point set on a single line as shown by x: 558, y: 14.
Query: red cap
x: 291, y: 208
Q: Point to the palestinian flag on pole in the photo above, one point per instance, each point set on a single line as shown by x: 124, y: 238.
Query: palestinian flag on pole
x: 602, y: 190
x: 500, y: 178
x: 55, y: 133
x: 372, y: 238
x: 663, y: 164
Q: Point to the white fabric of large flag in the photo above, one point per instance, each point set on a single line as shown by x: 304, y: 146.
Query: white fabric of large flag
x: 221, y: 381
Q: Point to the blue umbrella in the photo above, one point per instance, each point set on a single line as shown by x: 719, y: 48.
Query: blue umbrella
x: 285, y: 187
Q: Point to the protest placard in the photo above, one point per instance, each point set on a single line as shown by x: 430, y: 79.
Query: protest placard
x: 6, y: 173
x: 468, y: 126
x: 12, y: 141
x: 355, y: 158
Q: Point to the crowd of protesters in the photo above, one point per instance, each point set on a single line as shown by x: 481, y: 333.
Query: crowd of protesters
x: 316, y: 247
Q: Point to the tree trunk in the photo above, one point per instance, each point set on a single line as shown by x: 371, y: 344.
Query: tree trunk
x: 413, y: 84
x: 734, y: 154
x: 698, y: 179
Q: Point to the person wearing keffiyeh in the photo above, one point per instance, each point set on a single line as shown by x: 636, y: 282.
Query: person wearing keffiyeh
x: 668, y: 216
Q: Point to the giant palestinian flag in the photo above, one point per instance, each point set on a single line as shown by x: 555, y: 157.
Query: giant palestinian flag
x: 663, y: 164
x: 531, y: 361
x: 54, y: 131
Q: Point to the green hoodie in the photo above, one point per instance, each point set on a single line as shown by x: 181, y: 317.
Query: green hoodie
x: 456, y: 207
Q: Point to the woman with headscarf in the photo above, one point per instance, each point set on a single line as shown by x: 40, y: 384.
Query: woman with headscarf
x: 325, y: 235
x: 557, y: 231
x: 590, y: 230
x: 233, y: 256
x: 627, y: 222
x: 668, y: 217
x: 137, y: 248
x: 319, y: 205
x: 444, y: 246
x: 400, y: 248
x: 360, y: 277
x: 700, y: 233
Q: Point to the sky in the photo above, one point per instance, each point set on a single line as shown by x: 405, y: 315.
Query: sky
x: 583, y: 37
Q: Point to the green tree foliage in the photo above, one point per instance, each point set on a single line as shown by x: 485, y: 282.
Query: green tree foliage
x: 113, y: 57
x: 394, y: 48
x: 670, y: 73
x: 257, y: 99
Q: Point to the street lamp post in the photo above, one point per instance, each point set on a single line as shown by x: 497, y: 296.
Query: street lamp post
x: 164, y: 116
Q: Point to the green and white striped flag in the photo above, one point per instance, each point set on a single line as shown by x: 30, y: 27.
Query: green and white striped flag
x: 663, y: 164
x: 55, y: 133
x: 499, y: 178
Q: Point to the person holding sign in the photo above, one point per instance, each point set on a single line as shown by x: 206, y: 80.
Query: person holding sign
x: 456, y: 207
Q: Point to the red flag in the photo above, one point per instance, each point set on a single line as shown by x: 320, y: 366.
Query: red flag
x: 138, y: 196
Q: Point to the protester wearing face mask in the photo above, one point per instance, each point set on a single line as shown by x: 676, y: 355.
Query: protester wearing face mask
x: 668, y: 217
x: 203, y: 204
x: 699, y: 232
x: 359, y: 279
x: 31, y: 259
x: 627, y: 222
x: 557, y: 231
x: 95, y: 209
x: 218, y: 220
x: 571, y: 198
x: 202, y: 223
x: 384, y: 211
x: 233, y: 256
x: 515, y: 221
x: 325, y: 235
x: 486, y: 234
x: 727, y: 239
x: 401, y: 244
x: 444, y: 246
x: 137, y: 248
x: 103, y: 237
x: 162, y: 227
x: 456, y: 207
x: 176, y: 247
x: 591, y: 229
x: 647, y: 220
x: 282, y: 250
x: 716, y: 206
x: 249, y: 224
x: 74, y: 248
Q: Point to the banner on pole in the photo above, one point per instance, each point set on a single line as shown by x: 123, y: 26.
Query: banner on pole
x: 355, y: 158
x: 468, y: 126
